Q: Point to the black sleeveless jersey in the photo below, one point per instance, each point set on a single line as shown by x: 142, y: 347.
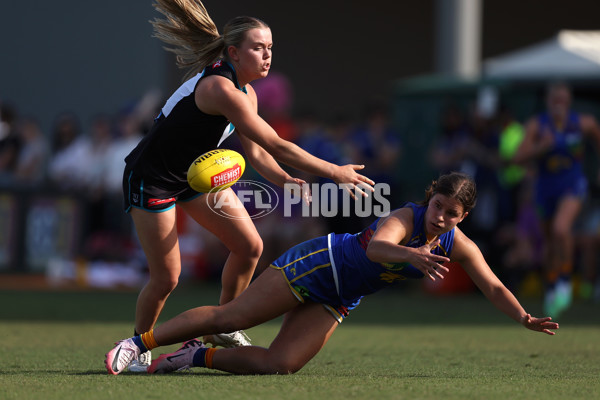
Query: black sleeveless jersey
x: 180, y: 134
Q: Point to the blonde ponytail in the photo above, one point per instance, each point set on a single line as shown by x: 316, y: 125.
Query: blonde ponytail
x: 190, y: 31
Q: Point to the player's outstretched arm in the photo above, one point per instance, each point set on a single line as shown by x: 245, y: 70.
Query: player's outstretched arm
x: 240, y: 109
x: 470, y: 258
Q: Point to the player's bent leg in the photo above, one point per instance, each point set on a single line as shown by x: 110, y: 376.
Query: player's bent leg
x: 558, y: 295
x: 268, y: 297
x: 157, y: 233
x: 562, y: 226
x: 232, y: 225
x: 303, y: 333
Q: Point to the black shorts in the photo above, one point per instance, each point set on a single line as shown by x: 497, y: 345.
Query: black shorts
x: 146, y: 196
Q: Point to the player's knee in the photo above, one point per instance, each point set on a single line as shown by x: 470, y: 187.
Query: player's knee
x: 283, y: 362
x: 164, y: 285
x: 283, y: 366
x: 252, y: 247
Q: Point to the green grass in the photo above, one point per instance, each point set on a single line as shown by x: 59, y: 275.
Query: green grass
x: 394, y: 346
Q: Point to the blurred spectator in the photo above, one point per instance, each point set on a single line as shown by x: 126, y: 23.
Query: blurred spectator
x: 378, y: 143
x: 147, y: 108
x: 449, y: 149
x: 483, y: 160
x: 68, y: 152
x: 471, y: 146
x: 314, y: 137
x: 522, y: 241
x: 31, y: 162
x: 9, y: 142
x: 95, y: 146
x: 128, y: 135
x: 275, y: 101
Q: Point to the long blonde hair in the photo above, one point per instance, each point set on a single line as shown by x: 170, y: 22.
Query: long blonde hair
x: 194, y: 36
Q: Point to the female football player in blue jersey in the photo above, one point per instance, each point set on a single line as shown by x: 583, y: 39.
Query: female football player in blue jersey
x: 317, y: 283
x: 215, y: 99
x: 555, y: 141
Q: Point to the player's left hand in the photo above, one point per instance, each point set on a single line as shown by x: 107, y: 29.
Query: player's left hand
x: 430, y: 264
x: 353, y: 182
x: 539, y: 324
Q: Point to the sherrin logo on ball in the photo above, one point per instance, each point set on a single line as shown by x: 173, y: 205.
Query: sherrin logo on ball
x: 215, y: 170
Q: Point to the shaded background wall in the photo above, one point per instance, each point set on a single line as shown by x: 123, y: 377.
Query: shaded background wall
x: 93, y: 57
x: 85, y: 57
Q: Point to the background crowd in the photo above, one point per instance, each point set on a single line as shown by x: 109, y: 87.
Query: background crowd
x: 84, y: 159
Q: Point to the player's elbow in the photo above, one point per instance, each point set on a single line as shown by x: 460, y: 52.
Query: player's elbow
x: 373, y: 252
x: 277, y: 148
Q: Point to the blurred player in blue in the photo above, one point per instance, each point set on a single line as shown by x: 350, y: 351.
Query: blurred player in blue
x: 317, y: 283
x: 555, y: 141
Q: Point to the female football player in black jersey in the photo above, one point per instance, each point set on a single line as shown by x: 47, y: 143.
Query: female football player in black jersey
x: 215, y: 99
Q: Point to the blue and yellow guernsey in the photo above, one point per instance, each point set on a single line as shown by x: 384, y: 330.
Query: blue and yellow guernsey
x: 359, y: 276
x: 565, y: 157
x: 334, y: 270
x: 560, y: 170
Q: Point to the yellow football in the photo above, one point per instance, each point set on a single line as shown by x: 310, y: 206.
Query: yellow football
x: 215, y: 170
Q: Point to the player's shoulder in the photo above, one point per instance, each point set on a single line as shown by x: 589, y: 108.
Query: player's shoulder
x: 463, y: 246
x: 404, y: 212
x: 403, y: 215
x: 218, y: 89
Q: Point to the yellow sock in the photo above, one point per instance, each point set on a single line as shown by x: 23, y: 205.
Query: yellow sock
x: 148, y: 339
x: 208, y: 357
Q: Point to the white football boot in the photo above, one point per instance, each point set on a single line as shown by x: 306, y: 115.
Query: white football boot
x: 142, y: 363
x: 119, y: 358
x: 233, y: 339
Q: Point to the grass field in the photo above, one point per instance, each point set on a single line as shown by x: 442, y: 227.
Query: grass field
x: 396, y: 345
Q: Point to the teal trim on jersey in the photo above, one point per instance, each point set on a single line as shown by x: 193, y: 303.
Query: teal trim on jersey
x: 154, y: 211
x: 129, y: 191
x: 142, y: 192
x: 237, y: 84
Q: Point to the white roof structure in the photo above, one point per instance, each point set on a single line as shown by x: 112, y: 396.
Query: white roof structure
x: 570, y: 54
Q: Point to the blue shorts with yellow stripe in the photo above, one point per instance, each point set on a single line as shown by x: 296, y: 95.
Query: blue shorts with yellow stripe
x: 308, y: 269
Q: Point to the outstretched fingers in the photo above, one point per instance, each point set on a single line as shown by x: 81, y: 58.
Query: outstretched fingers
x: 353, y: 182
x: 545, y: 325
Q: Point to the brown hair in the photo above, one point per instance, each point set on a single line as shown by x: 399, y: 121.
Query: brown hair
x: 455, y: 185
x: 194, y: 36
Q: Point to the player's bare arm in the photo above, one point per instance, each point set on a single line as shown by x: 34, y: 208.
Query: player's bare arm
x: 468, y: 255
x: 386, y: 245
x: 533, y: 144
x: 217, y: 95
